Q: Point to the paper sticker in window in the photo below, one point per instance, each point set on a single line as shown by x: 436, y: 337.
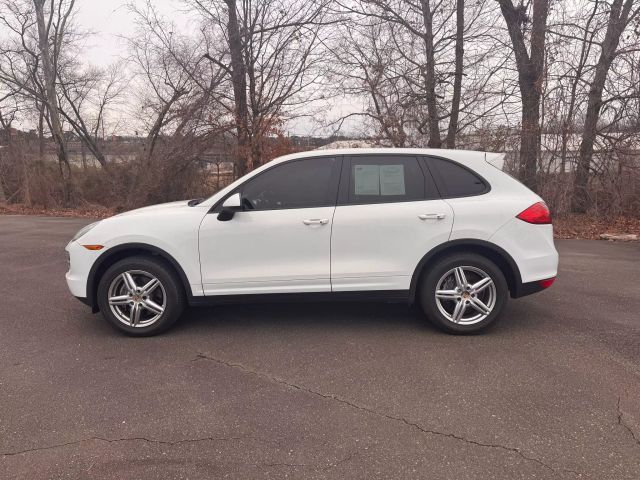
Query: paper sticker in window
x: 392, y: 180
x: 367, y: 179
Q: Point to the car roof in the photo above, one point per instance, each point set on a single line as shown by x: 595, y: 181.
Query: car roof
x: 462, y: 156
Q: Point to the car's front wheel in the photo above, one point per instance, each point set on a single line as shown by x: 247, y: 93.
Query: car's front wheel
x: 140, y: 296
x: 463, y: 293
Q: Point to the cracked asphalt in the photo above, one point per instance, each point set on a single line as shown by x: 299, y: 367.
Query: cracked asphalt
x: 360, y: 391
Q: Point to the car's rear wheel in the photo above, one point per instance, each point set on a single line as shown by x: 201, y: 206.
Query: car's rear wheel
x: 463, y: 293
x: 140, y: 296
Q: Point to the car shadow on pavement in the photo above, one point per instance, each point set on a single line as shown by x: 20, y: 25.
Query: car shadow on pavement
x: 336, y: 316
x: 330, y: 315
x: 519, y: 317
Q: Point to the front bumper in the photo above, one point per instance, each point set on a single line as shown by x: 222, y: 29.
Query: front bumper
x: 86, y: 301
x: 80, y: 262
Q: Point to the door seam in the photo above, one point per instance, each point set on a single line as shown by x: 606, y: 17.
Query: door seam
x: 333, y: 216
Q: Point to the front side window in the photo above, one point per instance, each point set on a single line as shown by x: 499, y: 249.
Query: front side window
x: 297, y: 184
x: 385, y: 179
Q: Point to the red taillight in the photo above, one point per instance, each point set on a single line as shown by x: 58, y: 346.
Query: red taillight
x: 538, y: 213
x: 547, y: 283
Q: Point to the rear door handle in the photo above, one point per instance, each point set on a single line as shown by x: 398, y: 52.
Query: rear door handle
x: 431, y: 216
x: 316, y: 221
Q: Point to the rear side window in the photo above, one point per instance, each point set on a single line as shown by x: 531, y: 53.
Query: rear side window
x: 385, y: 179
x: 454, y: 180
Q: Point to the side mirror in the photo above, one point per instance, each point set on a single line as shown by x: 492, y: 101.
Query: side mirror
x: 230, y: 206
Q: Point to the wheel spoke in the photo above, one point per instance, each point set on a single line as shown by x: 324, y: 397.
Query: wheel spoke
x: 447, y: 294
x: 471, y: 290
x: 134, y: 315
x: 129, y: 282
x: 150, y: 286
x: 481, y: 285
x: 119, y: 300
x: 152, y: 306
x: 461, y: 279
x: 458, y: 312
x: 480, y: 306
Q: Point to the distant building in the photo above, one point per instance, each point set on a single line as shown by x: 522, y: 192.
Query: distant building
x: 352, y: 143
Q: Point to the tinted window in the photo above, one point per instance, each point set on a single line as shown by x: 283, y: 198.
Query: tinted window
x: 456, y: 180
x: 385, y: 179
x: 297, y: 184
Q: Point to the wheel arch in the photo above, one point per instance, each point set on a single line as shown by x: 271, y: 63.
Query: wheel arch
x: 493, y: 252
x: 119, y: 252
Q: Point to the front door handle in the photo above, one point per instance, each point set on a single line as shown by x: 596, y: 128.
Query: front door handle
x: 431, y: 216
x: 316, y: 221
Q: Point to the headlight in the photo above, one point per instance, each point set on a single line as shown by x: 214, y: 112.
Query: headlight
x: 84, y: 230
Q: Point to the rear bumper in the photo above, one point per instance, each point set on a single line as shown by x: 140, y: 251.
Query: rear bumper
x: 524, y: 289
x: 532, y: 249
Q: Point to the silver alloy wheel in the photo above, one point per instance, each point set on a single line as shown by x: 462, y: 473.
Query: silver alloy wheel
x: 465, y: 295
x: 137, y: 298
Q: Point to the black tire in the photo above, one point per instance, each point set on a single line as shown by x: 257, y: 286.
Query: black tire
x: 171, y: 293
x: 438, y: 270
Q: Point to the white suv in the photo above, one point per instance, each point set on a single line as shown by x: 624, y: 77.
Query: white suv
x: 445, y: 228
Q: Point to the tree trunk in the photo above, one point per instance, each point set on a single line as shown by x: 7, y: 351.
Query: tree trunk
x: 530, y: 78
x: 457, y: 81
x: 239, y: 80
x: 83, y: 152
x: 568, y: 124
x: 7, y: 128
x: 256, y: 148
x: 41, y: 133
x: 618, y: 19
x: 3, y: 195
x: 430, y: 77
x: 49, y: 77
x: 529, y: 137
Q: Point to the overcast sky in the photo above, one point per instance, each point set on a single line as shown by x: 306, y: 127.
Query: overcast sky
x: 110, y: 19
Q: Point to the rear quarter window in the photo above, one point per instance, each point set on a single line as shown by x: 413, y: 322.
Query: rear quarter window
x: 455, y: 180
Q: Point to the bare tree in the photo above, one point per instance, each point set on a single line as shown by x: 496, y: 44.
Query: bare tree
x: 621, y: 14
x: 457, y: 81
x: 49, y: 79
x: 39, y: 65
x: 238, y: 72
x: 557, y: 89
x: 576, y: 76
x: 182, y: 100
x: 272, y: 55
x: 8, y: 110
x: 416, y: 19
x: 430, y: 76
x: 87, y: 94
x: 530, y: 65
x: 368, y: 65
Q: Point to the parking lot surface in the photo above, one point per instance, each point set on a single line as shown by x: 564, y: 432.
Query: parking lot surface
x: 361, y: 391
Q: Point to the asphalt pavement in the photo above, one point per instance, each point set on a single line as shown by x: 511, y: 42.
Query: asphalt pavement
x: 357, y: 391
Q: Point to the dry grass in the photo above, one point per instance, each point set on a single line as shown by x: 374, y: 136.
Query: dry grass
x: 86, y: 212
x: 590, y: 227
